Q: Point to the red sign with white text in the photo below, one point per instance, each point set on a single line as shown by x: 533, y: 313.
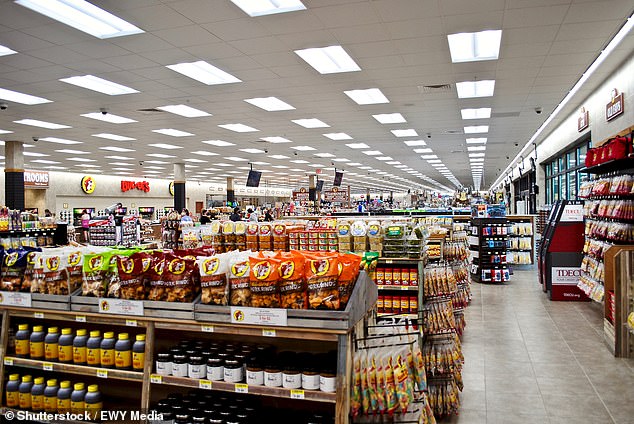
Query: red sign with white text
x: 132, y: 185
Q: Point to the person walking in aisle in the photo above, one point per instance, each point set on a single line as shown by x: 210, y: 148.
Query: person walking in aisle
x: 85, y: 225
x: 252, y: 215
x: 267, y: 216
x: 235, y: 216
x: 204, y: 218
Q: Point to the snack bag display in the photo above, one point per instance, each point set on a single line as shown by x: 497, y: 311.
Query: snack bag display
x: 240, y: 293
x: 55, y: 273
x: 75, y: 261
x: 131, y: 270
x: 265, y: 236
x: 322, y: 272
x: 292, y: 283
x: 251, y: 237
x: 13, y: 266
x: 264, y: 274
x: 94, y: 274
x: 176, y: 279
x: 31, y: 273
x: 348, y: 272
x: 240, y: 231
x: 213, y: 279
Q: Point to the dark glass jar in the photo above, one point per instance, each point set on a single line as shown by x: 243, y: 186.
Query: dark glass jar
x: 272, y: 373
x: 180, y: 365
x: 255, y: 372
x: 196, y: 367
x: 233, y: 371
x: 215, y: 368
x: 164, y: 364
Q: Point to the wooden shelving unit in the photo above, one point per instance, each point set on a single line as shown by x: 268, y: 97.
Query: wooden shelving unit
x: 529, y: 221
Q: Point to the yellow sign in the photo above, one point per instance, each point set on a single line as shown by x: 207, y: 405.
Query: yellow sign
x: 172, y: 188
x: 88, y: 184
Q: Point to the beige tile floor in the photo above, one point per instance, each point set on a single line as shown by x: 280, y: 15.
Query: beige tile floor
x: 530, y: 360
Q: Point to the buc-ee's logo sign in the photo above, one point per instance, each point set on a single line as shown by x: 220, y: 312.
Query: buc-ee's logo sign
x: 138, y: 185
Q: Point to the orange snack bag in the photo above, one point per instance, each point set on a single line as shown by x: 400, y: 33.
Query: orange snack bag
x: 322, y: 273
x: 348, y: 272
x: 292, y: 283
x: 263, y: 281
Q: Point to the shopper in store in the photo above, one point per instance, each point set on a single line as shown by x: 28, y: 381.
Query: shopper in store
x: 252, y: 215
x: 47, y: 213
x: 85, y: 224
x: 236, y: 216
x: 267, y: 215
x: 185, y: 218
x: 204, y: 217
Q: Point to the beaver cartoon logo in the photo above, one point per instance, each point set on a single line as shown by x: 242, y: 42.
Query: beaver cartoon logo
x: 339, y: 268
x: 210, y: 266
x: 262, y: 270
x: 95, y: 262
x: 11, y: 259
x: 286, y: 269
x: 74, y: 258
x: 30, y: 258
x: 177, y: 266
x: 238, y: 315
x: 127, y: 265
x: 88, y: 184
x: 105, y: 306
x: 52, y: 263
x: 319, y: 266
x: 240, y: 269
x: 145, y: 264
x: 159, y: 267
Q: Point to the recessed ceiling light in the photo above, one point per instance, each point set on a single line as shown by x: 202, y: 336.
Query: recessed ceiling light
x: 474, y: 46
x: 255, y: 8
x: 316, y: 165
x: 271, y: 104
x: 159, y: 155
x: 299, y: 161
x: 338, y: 136
x: 241, y: 128
x: 73, y: 152
x: 100, y: 85
x: 476, y: 155
x: 279, y: 167
x: 254, y: 151
x: 204, y: 72
x: 424, y: 150
x: 165, y: 146
x: 236, y: 159
x: 358, y: 146
x: 394, y: 162
x: 389, y: 118
x: 25, y: 99
x: 195, y: 160
x: 429, y: 156
x: 324, y: 155
x: 472, y: 89
x: 5, y: 51
x: 341, y: 160
x: 119, y: 157
x: 184, y: 110
x: 83, y: 16
x: 276, y: 140
x: 372, y: 153
x: 480, y: 113
x: 5, y: 132
x: 218, y: 143
x: 260, y: 163
x: 476, y: 129
x: 415, y: 143
x: 434, y: 160
x: 303, y: 148
x: 474, y: 160
x: 355, y: 164
x: 383, y: 158
x: 158, y: 162
x: 115, y: 169
x: 476, y: 148
x: 59, y: 140
x: 116, y: 149
x: 81, y: 160
x: 329, y: 60
x: 405, y: 133
x: 108, y: 117
x: 41, y: 124
x: 114, y: 137
x: 172, y: 132
x: 278, y: 157
x: 311, y: 123
x: 84, y: 165
x: 365, y: 167
x: 50, y: 162
x: 368, y: 96
x: 160, y: 172
x: 476, y: 140
x: 120, y: 164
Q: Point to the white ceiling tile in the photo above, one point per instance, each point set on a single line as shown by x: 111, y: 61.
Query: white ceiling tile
x: 599, y: 11
x: 473, y: 22
x: 547, y: 15
x: 586, y: 30
x: 237, y: 29
x: 156, y: 17
x: 199, y: 11
x: 459, y: 7
x: 191, y: 35
x: 402, y: 10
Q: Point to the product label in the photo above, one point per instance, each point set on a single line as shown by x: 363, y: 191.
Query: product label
x: 65, y: 353
x: 50, y: 403
x: 255, y: 378
x: 163, y: 368
x: 215, y: 373
x: 93, y: 409
x: 37, y: 350
x: 79, y: 355
x: 310, y: 382
x: 63, y: 405
x: 138, y: 359
x: 12, y: 400
x: 179, y: 370
x: 297, y: 394
x: 37, y: 402
x: 50, y: 350
x: 93, y: 356
x: 197, y: 371
x: 24, y: 400
x: 292, y: 381
x: 77, y: 407
x: 123, y: 359
x: 234, y: 375
x: 327, y: 384
x: 273, y: 379
x: 107, y: 357
x: 22, y: 347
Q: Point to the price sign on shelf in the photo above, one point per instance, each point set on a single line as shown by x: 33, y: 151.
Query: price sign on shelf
x: 204, y: 384
x: 267, y: 332
x: 120, y: 306
x: 15, y: 299
x: 156, y: 379
x: 47, y: 366
x: 102, y: 373
x: 259, y: 316
x: 207, y: 328
x: 242, y: 388
x: 297, y: 394
x: 131, y: 323
x: 8, y: 361
x: 80, y: 318
x: 38, y: 315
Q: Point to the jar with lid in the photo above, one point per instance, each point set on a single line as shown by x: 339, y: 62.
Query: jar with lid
x: 234, y: 370
x: 310, y: 374
x: 291, y: 377
x: 215, y: 368
x: 272, y: 374
x: 255, y: 372
x: 179, y: 365
x: 328, y: 379
x: 196, y: 367
x: 182, y: 419
x: 215, y: 419
x: 164, y: 364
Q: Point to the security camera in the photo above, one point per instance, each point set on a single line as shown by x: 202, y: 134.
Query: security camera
x: 103, y: 111
x: 140, y: 163
x: 4, y: 106
x: 295, y: 153
x: 36, y: 139
x: 428, y: 135
x: 517, y: 144
x: 538, y: 110
x: 266, y: 150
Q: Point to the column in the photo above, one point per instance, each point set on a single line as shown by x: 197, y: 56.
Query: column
x: 312, y: 192
x: 231, y: 193
x: 179, y: 187
x: 14, y: 174
x: 367, y: 196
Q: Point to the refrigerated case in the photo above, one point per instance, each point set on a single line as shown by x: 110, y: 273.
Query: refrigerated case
x: 146, y: 212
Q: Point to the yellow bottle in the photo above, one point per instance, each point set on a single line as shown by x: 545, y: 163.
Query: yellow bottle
x: 37, y: 394
x: 12, y: 391
x: 50, y: 395
x: 51, y: 344
x: 24, y: 397
x: 92, y: 401
x: 63, y: 397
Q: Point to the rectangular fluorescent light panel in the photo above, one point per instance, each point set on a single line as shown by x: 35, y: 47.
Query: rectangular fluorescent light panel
x: 195, y: 160
x: 101, y: 85
x: 329, y: 60
x: 303, y: 148
x: 311, y: 123
x: 160, y: 155
x: 116, y: 149
x: 390, y: 118
x: 73, y: 152
x: 299, y: 161
x: 278, y: 157
x: 114, y: 137
x: 59, y: 140
x: 429, y: 157
x: 476, y: 148
x: 424, y: 150
x: 5, y: 51
x: 255, y: 8
x: 383, y: 158
x: 253, y: 151
x: 474, y: 46
x: 368, y: 96
x: 83, y: 16
x: 81, y: 160
x: 341, y: 160
x: 48, y: 162
x: 108, y: 117
x: 25, y: 99
x: 204, y: 153
x: 415, y: 143
x: 184, y: 110
x: 218, y: 143
x: 119, y: 157
x: 35, y: 154
x: 405, y: 133
x: 324, y: 155
x: 276, y: 140
x: 481, y: 140
x: 480, y: 113
x: 41, y: 124
x: 204, y: 72
x: 476, y: 155
x: 472, y: 89
x: 241, y: 128
x: 271, y: 104
x: 172, y: 132
x: 337, y: 136
x: 165, y: 146
x: 476, y: 129
x: 372, y: 153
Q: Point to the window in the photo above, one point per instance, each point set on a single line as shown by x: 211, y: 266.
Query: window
x: 562, y: 173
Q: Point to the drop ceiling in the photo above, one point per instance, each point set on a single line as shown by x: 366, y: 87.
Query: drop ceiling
x: 400, y: 45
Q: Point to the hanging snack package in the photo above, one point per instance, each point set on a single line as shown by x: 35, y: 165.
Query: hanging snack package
x: 240, y: 293
x: 265, y: 236
x: 217, y: 239
x: 213, y: 279
x: 95, y: 269
x: 206, y: 235
x: 280, y: 237
x: 37, y: 283
x: 55, y: 273
x: 264, y: 274
x: 348, y: 272
x: 251, y: 236
x: 112, y: 276
x: 31, y: 273
x: 292, y: 283
x: 75, y: 261
x: 176, y: 282
x: 322, y: 272
x: 132, y: 270
x: 190, y: 238
x: 228, y: 233
x: 13, y: 266
x: 391, y: 399
x: 355, y: 397
x: 240, y: 231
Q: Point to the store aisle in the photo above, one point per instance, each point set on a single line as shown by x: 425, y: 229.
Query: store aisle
x: 530, y: 360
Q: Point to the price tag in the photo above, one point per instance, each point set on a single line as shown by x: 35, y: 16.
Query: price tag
x: 156, y: 379
x: 405, y: 287
x: 207, y: 328
x: 130, y: 322
x: 120, y: 306
x: 389, y: 261
x: 38, y: 315
x: 204, y: 384
x: 269, y: 333
x: 259, y: 316
x: 8, y: 361
x: 47, y: 366
x: 242, y: 388
x: 16, y: 299
x: 80, y: 318
x: 102, y: 373
x: 297, y: 394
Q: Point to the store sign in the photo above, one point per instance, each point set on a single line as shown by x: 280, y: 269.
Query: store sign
x: 572, y: 213
x: 301, y: 195
x: 336, y: 195
x: 37, y: 179
x: 131, y: 185
x: 583, y: 121
x: 616, y: 107
x: 259, y: 316
x: 565, y: 275
x: 171, y: 188
x: 88, y: 184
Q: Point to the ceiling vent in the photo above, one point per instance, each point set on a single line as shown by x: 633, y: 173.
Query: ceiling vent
x: 505, y: 114
x: 434, y: 88
x: 150, y: 111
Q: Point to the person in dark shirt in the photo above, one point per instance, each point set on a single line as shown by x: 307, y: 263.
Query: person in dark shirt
x: 267, y: 216
x: 204, y: 218
x: 235, y: 216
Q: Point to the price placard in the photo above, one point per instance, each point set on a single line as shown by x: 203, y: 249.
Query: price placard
x: 389, y: 261
x: 131, y: 323
x: 267, y: 332
x: 207, y: 328
x: 259, y: 316
x: 15, y: 299
x: 156, y: 379
x: 47, y: 366
x: 38, y: 315
x: 242, y: 388
x: 120, y: 306
x: 8, y: 361
x: 204, y: 384
x: 405, y: 287
x: 102, y: 373
x: 297, y: 394
x: 80, y: 318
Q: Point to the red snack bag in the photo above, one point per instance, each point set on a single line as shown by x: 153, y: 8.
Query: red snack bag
x: 175, y: 283
x: 292, y: 283
x: 263, y: 281
x: 132, y: 271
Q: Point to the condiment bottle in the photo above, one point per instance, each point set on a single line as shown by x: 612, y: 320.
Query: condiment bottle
x: 50, y: 395
x: 123, y: 352
x: 107, y: 350
x: 215, y: 368
x: 179, y: 365
x: 22, y: 337
x: 93, y: 348
x: 37, y: 394
x: 255, y: 372
x: 36, y: 345
x: 234, y: 370
x: 24, y: 395
x: 272, y: 374
x: 92, y: 401
x: 196, y: 367
x: 164, y: 364
x: 65, y: 346
x: 63, y: 397
x: 12, y: 391
x: 51, y: 342
x: 79, y: 347
x: 138, y: 353
x: 77, y: 405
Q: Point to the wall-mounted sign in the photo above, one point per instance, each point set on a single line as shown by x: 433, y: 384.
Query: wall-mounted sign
x: 35, y: 179
x: 171, y: 188
x: 88, y: 184
x: 301, y: 195
x: 583, y: 121
x: 131, y: 185
x: 336, y: 195
x: 616, y: 107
